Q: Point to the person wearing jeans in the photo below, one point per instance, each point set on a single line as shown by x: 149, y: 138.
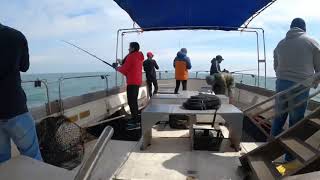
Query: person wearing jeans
x: 296, y: 59
x: 295, y: 114
x: 21, y: 129
x: 181, y: 64
x: 132, y: 70
x: 16, y: 123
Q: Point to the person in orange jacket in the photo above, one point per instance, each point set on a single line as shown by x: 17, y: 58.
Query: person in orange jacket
x: 181, y: 64
x: 132, y: 70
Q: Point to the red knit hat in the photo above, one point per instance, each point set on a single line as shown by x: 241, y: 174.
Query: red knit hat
x: 149, y: 55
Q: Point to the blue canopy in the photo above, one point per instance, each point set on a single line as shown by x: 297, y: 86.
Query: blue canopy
x: 172, y: 14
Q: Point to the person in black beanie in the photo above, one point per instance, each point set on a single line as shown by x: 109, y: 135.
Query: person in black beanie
x: 296, y: 59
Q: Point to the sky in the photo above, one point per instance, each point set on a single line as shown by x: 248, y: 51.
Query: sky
x: 92, y: 24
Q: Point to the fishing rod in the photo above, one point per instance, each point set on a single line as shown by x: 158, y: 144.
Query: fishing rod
x: 242, y: 71
x: 88, y: 53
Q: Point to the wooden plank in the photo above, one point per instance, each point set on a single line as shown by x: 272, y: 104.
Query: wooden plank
x: 299, y: 149
x: 309, y: 176
x: 262, y: 169
x: 246, y: 147
x: 315, y: 122
x: 84, y: 114
x: 73, y: 118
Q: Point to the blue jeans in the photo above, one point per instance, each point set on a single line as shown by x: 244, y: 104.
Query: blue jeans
x: 21, y: 129
x: 295, y: 115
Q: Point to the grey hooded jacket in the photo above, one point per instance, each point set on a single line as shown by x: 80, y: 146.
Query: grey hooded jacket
x: 297, y: 56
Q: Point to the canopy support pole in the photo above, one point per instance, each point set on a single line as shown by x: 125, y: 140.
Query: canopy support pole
x: 217, y: 28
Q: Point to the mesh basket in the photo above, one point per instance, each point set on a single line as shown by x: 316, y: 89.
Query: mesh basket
x: 61, y: 142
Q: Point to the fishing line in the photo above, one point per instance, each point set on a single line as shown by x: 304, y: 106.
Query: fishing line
x: 243, y: 71
x: 87, y: 52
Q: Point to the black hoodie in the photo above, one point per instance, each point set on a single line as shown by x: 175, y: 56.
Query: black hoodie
x: 14, y: 57
x: 215, y: 67
x: 149, y: 67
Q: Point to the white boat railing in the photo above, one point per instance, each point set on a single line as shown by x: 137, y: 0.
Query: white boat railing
x: 61, y: 80
x: 63, y: 83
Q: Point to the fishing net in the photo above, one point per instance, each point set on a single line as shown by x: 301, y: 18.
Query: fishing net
x: 61, y: 142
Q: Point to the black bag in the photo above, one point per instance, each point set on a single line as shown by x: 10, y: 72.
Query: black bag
x: 203, y: 102
x: 178, y: 121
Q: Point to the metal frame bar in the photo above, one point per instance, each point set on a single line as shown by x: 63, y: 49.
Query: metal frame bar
x: 258, y: 13
x: 86, y: 169
x: 78, y: 77
x: 221, y: 28
x: 107, y: 120
x: 290, y: 108
x: 312, y: 79
x: 311, y: 82
x: 43, y: 81
x: 197, y: 73
x: 282, y: 101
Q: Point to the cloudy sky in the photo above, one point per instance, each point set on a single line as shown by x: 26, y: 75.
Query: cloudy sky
x: 92, y: 24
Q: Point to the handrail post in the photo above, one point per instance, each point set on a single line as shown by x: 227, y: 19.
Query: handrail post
x: 89, y: 164
x: 107, y: 83
x: 43, y: 81
x: 60, y: 96
x: 255, y: 81
x: 48, y: 98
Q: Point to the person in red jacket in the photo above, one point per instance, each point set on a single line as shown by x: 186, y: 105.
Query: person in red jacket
x: 132, y: 70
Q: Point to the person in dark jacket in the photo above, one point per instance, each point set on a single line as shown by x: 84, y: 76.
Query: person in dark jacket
x: 16, y: 122
x: 132, y: 70
x: 181, y: 64
x: 215, y: 65
x: 149, y: 67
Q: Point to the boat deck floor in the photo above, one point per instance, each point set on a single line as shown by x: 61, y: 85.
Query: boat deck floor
x: 170, y: 157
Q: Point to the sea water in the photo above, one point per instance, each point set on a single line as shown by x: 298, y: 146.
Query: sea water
x: 71, y: 84
x: 76, y: 84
